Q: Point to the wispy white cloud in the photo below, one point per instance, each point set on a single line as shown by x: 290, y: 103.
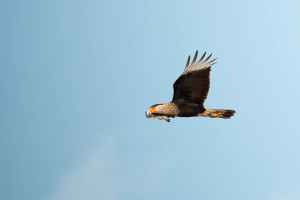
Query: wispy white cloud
x: 98, y: 176
x: 293, y: 194
x: 92, y: 178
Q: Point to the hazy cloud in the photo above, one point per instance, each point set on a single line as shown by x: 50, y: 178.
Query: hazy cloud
x: 92, y: 178
x: 288, y: 195
x: 98, y: 175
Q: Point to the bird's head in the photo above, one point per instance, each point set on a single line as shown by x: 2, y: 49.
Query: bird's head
x: 153, y: 110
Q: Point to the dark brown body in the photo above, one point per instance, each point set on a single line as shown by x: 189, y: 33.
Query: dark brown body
x: 187, y: 108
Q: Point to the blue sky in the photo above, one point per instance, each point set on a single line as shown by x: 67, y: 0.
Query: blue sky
x: 76, y: 78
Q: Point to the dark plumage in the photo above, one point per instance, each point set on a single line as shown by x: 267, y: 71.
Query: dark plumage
x: 190, y: 92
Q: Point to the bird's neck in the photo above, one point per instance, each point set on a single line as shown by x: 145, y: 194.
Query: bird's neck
x: 168, y: 109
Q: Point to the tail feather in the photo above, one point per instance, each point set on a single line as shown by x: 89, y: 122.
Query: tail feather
x: 217, y: 113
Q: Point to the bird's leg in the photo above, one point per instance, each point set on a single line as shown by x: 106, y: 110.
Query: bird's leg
x: 160, y: 117
x: 210, y: 114
x: 164, y: 117
x: 206, y: 114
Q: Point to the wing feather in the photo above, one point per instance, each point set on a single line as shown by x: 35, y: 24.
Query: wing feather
x: 206, y: 59
x: 194, y: 82
x: 188, y: 62
x: 195, y: 58
x: 201, y: 59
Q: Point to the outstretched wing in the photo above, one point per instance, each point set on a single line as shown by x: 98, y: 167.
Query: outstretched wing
x: 193, y: 83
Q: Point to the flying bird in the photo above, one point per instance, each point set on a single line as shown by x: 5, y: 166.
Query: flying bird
x: 190, y: 92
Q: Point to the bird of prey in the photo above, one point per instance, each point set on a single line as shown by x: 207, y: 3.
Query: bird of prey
x: 190, y: 92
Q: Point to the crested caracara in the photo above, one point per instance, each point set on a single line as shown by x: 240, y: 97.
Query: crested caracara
x: 190, y: 92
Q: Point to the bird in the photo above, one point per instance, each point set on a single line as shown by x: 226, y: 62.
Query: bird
x: 190, y: 92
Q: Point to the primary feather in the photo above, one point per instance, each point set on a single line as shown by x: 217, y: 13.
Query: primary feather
x: 193, y: 84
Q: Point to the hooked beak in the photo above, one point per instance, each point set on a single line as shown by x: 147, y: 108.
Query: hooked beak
x: 148, y: 114
x: 150, y: 111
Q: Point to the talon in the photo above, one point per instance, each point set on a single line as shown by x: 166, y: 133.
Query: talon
x: 166, y: 118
